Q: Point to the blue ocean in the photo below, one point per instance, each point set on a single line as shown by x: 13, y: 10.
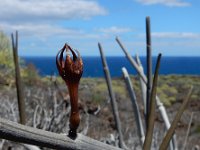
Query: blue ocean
x: 93, y: 65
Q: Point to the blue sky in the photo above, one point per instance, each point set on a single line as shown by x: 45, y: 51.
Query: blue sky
x: 45, y: 25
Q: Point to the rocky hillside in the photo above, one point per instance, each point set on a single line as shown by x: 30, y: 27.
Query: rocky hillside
x: 47, y: 107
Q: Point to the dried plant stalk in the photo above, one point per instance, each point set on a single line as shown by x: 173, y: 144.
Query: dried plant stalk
x: 112, y: 97
x: 151, y: 119
x: 20, y: 94
x: 71, y: 71
x: 149, y: 69
x: 171, y: 130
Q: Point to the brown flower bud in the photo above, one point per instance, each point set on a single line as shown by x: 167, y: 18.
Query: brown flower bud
x: 71, y: 71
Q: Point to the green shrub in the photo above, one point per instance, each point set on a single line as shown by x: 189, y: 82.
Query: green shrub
x: 28, y: 73
x: 167, y: 94
x: 6, y: 58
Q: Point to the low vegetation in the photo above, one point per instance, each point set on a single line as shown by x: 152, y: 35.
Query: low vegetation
x: 47, y: 104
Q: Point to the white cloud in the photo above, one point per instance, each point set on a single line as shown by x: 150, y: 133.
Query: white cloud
x: 114, y: 30
x: 40, y: 18
x: 30, y: 10
x: 173, y: 35
x: 189, y: 35
x: 43, y: 31
x: 171, y: 3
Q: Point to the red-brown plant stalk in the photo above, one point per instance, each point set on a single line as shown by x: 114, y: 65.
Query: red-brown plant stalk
x: 71, y: 71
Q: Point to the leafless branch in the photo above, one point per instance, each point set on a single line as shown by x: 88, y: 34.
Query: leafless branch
x: 20, y: 133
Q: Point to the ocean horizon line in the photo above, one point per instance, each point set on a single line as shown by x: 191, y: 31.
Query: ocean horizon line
x: 114, y: 56
x: 93, y: 65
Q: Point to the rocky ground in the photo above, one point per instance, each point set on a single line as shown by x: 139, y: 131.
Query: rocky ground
x: 47, y: 107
